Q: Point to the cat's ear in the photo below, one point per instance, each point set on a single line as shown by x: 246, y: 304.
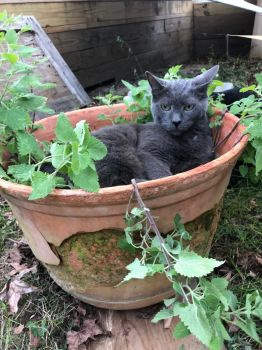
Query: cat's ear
x: 201, y: 82
x: 157, y: 84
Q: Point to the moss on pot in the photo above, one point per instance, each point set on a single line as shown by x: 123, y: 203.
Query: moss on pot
x: 92, y: 259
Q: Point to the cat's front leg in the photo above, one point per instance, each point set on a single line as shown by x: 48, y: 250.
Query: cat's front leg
x: 154, y: 167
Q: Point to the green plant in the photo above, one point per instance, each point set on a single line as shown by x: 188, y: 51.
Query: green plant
x: 138, y: 100
x: 113, y: 113
x: 25, y: 160
x: 173, y: 73
x: 205, y: 306
x: 249, y: 110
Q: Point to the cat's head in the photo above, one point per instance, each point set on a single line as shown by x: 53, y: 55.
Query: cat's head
x: 179, y: 104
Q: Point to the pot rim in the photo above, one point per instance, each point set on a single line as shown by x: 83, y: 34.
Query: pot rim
x: 23, y: 191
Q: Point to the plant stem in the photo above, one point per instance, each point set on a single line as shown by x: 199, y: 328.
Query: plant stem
x: 150, y: 219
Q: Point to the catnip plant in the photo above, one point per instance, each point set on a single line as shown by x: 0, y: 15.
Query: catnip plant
x: 206, y: 307
x: 70, y: 158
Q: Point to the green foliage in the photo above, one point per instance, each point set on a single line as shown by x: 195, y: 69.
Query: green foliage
x: 205, y: 306
x: 173, y: 73
x: 70, y: 156
x: 138, y: 100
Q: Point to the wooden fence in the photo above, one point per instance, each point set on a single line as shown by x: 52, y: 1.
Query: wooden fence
x: 111, y: 39
x: 104, y: 40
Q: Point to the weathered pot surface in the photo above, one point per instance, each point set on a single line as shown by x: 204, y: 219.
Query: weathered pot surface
x: 58, y: 228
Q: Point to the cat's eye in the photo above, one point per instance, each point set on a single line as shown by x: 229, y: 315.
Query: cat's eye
x: 165, y: 107
x: 189, y: 107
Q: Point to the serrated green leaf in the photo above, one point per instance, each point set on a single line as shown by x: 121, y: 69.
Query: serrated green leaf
x: 85, y: 161
x: 190, y: 264
x: 220, y: 331
x: 216, y: 343
x: 248, y: 88
x: 42, y: 185
x: 137, y: 270
x: 123, y: 244
x: 31, y: 102
x: 21, y: 172
x: 59, y: 154
x: 75, y: 165
x: 82, y: 132
x: 96, y: 148
x: 169, y: 302
x: 255, y: 129
x: 162, y: 315
x: 86, y: 179
x: 138, y: 212
x: 3, y: 174
x: 10, y: 57
x: 258, y: 146
x: 27, y: 144
x: 11, y: 36
x: 249, y: 327
x: 64, y: 130
x: 243, y: 169
x: 177, y: 288
x: 28, y: 82
x: 180, y: 331
x: 196, y: 320
x: 14, y: 118
x: 155, y: 268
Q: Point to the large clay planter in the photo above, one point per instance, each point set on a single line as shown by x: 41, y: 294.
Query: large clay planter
x: 75, y: 233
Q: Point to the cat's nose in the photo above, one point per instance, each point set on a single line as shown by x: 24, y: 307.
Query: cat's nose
x: 176, y: 122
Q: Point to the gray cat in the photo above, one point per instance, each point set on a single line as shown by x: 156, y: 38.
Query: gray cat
x: 179, y: 139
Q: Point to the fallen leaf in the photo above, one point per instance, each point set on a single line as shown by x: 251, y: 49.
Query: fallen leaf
x: 81, y: 310
x: 14, y: 255
x: 88, y: 330
x: 253, y: 203
x: 3, y: 292
x: 258, y: 259
x: 19, y: 329
x: 8, y: 215
x: 34, y: 341
x: 17, y: 268
x: 252, y: 274
x: 16, y: 289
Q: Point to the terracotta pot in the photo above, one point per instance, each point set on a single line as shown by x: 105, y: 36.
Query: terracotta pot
x: 76, y: 233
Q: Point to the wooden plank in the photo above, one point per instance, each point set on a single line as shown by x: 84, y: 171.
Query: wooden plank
x: 130, y: 331
x: 256, y: 45
x: 105, y: 54
x: 178, y: 23
x: 226, y: 24
x: 211, y: 9
x: 71, y: 15
x: 237, y: 46
x: 95, y: 37
x: 124, y: 68
x: 56, y: 60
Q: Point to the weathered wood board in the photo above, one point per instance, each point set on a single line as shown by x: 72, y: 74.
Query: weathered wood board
x: 256, y: 45
x: 157, y: 32
x: 130, y: 331
x: 212, y: 21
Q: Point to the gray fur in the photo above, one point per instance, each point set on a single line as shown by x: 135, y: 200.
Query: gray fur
x: 179, y: 139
